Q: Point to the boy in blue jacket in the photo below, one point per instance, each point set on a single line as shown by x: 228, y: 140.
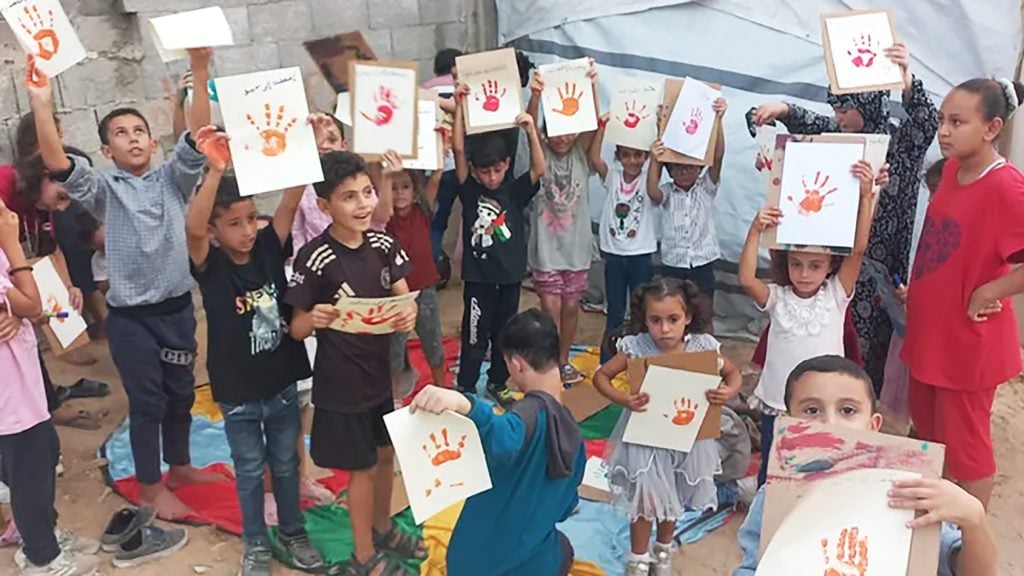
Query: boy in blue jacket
x: 535, y: 455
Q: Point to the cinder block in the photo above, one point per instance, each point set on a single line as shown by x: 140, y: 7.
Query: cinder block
x: 452, y: 35
x: 238, y: 19
x: 337, y: 16
x: 439, y: 11
x: 142, y: 6
x: 79, y: 129
x: 99, y: 81
x: 107, y: 34
x: 413, y: 42
x: 380, y: 42
x: 233, y: 60
x: 294, y: 54
x: 394, y: 13
x: 292, y: 20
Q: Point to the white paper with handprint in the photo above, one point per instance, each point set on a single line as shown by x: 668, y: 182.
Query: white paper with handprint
x: 54, y: 296
x: 272, y: 144
x: 371, y: 315
x: 384, y: 109
x: 568, y: 98
x: 428, y: 155
x: 174, y: 34
x: 844, y: 526
x: 494, y: 98
x: 676, y: 409
x: 441, y: 457
x: 819, y: 196
x: 692, y: 120
x: 633, y: 115
x: 858, y: 42
x: 765, y: 140
x: 43, y: 28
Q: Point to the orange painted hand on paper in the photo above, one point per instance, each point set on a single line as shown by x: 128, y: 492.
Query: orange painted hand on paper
x: 437, y: 484
x: 53, y: 308
x: 492, y: 96
x: 814, y: 199
x: 851, y: 558
x: 386, y: 106
x: 275, y: 136
x: 570, y: 98
x: 33, y: 23
x: 686, y: 409
x: 443, y: 452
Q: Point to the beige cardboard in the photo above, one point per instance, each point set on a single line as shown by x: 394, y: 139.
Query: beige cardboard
x: 333, y: 54
x: 830, y: 66
x: 671, y: 94
x: 583, y: 400
x: 499, y: 65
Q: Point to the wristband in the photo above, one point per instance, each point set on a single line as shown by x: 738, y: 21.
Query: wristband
x: 17, y: 269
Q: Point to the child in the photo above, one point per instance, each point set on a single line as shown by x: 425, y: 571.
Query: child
x: 534, y: 484
x: 559, y: 243
x: 28, y: 442
x: 91, y: 232
x: 656, y: 484
x: 410, y: 225
x: 689, y: 244
x: 833, y: 390
x: 351, y: 375
x: 151, y: 325
x: 493, y: 234
x: 255, y: 367
x: 806, y: 304
x: 958, y: 303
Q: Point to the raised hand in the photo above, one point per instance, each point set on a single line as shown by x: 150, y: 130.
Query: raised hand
x: 213, y: 144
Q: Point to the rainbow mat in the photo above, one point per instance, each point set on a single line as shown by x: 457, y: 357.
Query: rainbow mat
x: 599, y: 533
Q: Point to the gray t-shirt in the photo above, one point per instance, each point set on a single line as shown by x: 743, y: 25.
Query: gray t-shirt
x: 560, y: 234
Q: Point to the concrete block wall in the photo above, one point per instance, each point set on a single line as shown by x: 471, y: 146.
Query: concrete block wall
x: 123, y: 69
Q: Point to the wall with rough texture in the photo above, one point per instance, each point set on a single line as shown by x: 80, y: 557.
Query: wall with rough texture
x: 123, y: 69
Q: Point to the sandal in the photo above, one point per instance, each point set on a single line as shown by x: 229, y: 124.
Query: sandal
x: 400, y: 544
x: 86, y: 388
x: 355, y: 568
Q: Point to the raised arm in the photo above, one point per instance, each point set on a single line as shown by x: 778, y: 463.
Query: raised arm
x: 597, y: 164
x: 654, y: 173
x: 751, y: 284
x: 796, y: 118
x: 586, y: 138
x: 430, y: 188
x: 287, y: 208
x: 390, y: 165
x: 850, y: 268
x: 199, y: 110
x: 537, y: 164
x: 715, y: 170
x: 536, y: 88
x: 22, y: 295
x: 40, y: 94
x: 459, y: 133
x: 214, y: 145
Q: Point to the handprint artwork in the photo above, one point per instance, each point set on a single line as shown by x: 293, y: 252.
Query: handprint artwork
x: 633, y: 116
x: 492, y: 93
x: 864, y: 51
x: 387, y: 103
x: 570, y: 99
x: 675, y: 412
x: 855, y: 48
x: 376, y: 316
x: 696, y: 117
x: 851, y: 554
x: 440, y: 453
x: 53, y: 308
x: 42, y: 31
x: 814, y: 199
x: 371, y: 315
x: 685, y: 411
x: 274, y: 135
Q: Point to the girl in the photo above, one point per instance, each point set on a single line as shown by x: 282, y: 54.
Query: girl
x: 806, y: 304
x: 657, y: 484
x: 962, y: 339
x: 626, y: 232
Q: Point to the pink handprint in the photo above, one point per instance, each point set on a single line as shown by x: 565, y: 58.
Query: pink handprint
x: 386, y: 106
x: 864, y: 51
x: 696, y: 117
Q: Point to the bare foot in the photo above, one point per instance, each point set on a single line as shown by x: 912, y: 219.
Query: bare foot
x: 167, y: 505
x: 183, y: 475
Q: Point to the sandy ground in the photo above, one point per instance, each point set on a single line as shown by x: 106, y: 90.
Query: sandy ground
x: 85, y: 503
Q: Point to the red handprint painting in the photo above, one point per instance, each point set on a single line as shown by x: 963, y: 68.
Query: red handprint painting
x: 864, y: 51
x: 855, y: 48
x: 43, y: 29
x: 490, y: 94
x: 815, y: 195
x: 372, y: 315
x: 273, y: 129
x: 384, y: 108
x: 633, y: 115
x: 387, y: 103
x: 494, y: 99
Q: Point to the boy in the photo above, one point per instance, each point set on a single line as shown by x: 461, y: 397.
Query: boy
x: 833, y: 390
x: 255, y: 367
x: 91, y: 234
x: 150, y: 325
x: 493, y: 234
x: 351, y: 374
x: 534, y: 485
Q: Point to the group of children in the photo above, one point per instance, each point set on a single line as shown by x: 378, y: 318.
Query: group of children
x: 365, y: 231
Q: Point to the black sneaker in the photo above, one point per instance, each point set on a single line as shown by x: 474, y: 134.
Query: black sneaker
x: 300, y: 550
x: 501, y: 394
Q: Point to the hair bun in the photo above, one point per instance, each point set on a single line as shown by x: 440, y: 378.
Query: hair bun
x: 1010, y: 93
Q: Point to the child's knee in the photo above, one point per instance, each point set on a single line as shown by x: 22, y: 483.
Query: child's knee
x: 385, y: 456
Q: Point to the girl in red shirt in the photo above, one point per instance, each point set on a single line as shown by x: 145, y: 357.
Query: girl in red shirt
x: 962, y: 340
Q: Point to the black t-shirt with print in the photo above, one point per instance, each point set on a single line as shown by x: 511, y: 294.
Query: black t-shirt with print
x: 251, y: 357
x: 493, y: 229
x: 352, y: 372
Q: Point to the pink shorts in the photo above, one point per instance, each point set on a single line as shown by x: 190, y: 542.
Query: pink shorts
x: 569, y: 284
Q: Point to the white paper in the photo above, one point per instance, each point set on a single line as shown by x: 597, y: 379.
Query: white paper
x: 343, y: 108
x: 811, y: 539
x: 633, y: 115
x: 272, y: 144
x: 427, y: 157
x: 494, y: 89
x: 876, y: 152
x: 568, y: 98
x: 175, y: 33
x: 42, y: 28
x: 676, y: 409
x: 384, y: 110
x: 54, y: 295
x: 819, y: 196
x: 765, y: 139
x: 689, y: 127
x: 371, y: 315
x: 858, y: 43
x: 595, y: 474
x: 441, y: 457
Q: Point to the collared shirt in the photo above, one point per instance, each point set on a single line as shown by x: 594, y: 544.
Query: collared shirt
x: 688, y: 237
x: 144, y: 217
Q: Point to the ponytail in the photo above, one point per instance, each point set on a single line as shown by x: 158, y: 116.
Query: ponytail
x: 1000, y: 98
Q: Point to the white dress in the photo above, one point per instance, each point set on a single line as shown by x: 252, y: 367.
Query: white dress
x: 659, y: 484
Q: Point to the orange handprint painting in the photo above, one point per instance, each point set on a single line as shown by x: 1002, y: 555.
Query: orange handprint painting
x: 53, y: 308
x: 387, y: 103
x: 851, y: 556
x: 274, y: 130
x: 686, y: 409
x: 814, y: 199
x: 443, y: 452
x: 41, y: 30
x: 492, y: 92
x: 570, y: 98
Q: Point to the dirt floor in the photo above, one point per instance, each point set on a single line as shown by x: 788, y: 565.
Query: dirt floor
x: 85, y: 503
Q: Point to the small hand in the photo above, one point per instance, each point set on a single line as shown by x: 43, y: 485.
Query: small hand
x: 9, y: 326
x: 461, y: 91
x: 768, y: 113
x: 392, y: 162
x: 37, y: 82
x: 720, y: 395
x: 213, y: 144
x: 602, y: 122
x: 405, y: 321
x: 199, y: 59
x: 941, y: 499
x: 636, y: 402
x: 536, y: 83
x: 882, y: 180
x: 767, y: 217
x: 900, y: 55
x: 9, y: 230
x: 525, y: 121
x: 324, y: 315
x: 982, y: 305
x: 658, y: 148
x: 75, y: 298
x: 325, y: 132
x: 720, y: 105
x: 436, y: 400
x: 863, y: 172
x: 592, y: 71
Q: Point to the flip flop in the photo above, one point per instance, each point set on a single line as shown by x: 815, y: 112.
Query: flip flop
x: 86, y: 388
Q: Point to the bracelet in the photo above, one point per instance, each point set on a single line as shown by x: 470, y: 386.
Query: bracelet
x: 14, y: 271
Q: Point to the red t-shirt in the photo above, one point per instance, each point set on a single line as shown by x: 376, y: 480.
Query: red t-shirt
x: 971, y: 235
x: 413, y: 234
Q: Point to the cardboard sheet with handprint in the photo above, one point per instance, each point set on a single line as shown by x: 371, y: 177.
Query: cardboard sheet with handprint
x: 53, y: 293
x: 174, y: 34
x: 441, y: 457
x: 568, y: 98
x: 495, y: 97
x: 855, y: 44
x: 384, y: 108
x: 371, y: 315
x: 633, y: 114
x: 42, y: 28
x: 429, y: 147
x: 272, y: 145
x: 806, y: 456
x: 681, y: 125
x: 678, y: 413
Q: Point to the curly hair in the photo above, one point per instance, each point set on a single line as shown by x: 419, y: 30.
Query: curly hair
x: 780, y: 266
x: 697, y: 306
